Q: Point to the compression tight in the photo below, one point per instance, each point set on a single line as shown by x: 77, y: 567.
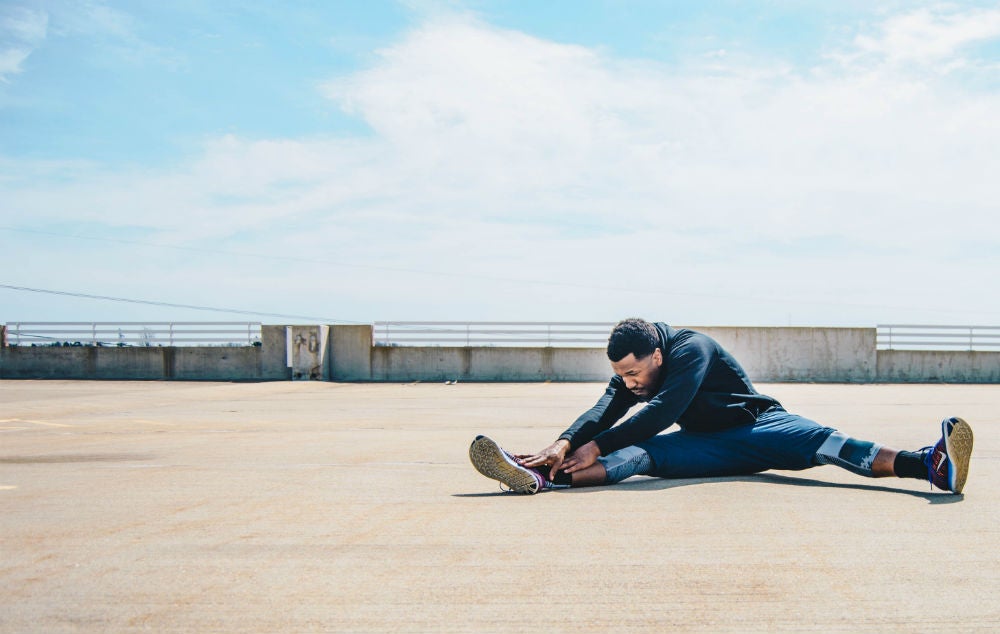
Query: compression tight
x: 854, y: 455
x: 625, y: 463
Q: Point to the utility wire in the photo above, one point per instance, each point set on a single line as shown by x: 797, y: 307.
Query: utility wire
x: 354, y: 265
x: 452, y: 274
x: 325, y: 320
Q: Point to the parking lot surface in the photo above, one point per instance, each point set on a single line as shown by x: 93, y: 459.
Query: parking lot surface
x: 325, y: 507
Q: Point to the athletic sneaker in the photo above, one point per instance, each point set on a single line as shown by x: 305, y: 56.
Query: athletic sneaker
x: 948, y: 461
x: 493, y: 462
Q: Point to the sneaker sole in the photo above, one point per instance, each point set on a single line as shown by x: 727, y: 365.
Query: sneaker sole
x: 490, y: 460
x: 958, y: 444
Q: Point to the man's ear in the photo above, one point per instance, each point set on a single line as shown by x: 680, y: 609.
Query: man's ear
x: 658, y: 357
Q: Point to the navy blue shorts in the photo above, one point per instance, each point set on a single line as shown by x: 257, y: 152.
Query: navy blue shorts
x: 778, y: 440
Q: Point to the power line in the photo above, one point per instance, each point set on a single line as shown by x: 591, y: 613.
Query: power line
x: 377, y: 267
x: 354, y: 265
x: 491, y: 278
x: 325, y: 320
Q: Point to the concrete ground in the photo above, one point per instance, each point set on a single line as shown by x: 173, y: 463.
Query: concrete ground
x: 308, y: 507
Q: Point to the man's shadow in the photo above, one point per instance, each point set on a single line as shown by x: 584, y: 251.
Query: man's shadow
x: 645, y: 483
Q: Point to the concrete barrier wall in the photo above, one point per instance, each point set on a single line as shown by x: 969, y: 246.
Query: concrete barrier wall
x: 390, y: 363
x: 273, y: 355
x: 264, y: 362
x: 768, y: 354
x: 841, y: 355
x: 913, y: 366
x: 186, y: 364
x: 349, y: 357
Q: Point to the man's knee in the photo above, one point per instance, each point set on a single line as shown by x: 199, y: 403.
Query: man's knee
x: 625, y: 463
x: 849, y: 453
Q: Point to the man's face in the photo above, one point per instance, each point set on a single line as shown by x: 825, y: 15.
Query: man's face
x: 642, y: 376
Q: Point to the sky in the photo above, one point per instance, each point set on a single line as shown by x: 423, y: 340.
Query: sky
x: 715, y: 163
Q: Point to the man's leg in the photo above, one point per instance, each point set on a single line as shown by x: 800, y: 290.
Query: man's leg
x: 778, y: 440
x: 621, y: 464
x: 609, y: 469
x: 869, y: 459
x: 945, y: 465
x: 857, y: 456
x: 493, y: 462
x: 593, y: 476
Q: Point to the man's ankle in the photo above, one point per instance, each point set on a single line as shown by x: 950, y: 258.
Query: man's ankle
x: 910, y: 464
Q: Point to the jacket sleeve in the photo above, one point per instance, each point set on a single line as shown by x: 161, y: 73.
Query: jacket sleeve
x: 687, y: 366
x: 615, y: 402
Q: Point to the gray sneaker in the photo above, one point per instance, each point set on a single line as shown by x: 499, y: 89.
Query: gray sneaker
x: 495, y: 463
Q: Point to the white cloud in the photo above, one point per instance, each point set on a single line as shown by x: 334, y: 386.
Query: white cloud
x: 10, y: 62
x: 25, y: 25
x: 514, y: 122
x: 92, y: 18
x: 495, y: 155
x: 930, y: 35
x: 21, y: 31
x: 112, y: 32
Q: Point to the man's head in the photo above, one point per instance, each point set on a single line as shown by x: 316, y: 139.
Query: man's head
x: 634, y: 351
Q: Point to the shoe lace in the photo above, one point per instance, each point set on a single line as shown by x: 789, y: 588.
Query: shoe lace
x: 928, y: 453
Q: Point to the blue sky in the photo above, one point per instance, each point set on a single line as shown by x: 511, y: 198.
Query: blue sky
x: 716, y: 163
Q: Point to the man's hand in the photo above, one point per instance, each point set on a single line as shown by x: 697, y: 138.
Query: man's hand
x: 583, y: 457
x: 553, y: 455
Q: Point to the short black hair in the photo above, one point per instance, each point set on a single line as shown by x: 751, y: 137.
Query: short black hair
x: 632, y: 336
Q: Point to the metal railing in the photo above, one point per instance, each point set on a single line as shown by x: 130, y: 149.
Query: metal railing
x: 439, y: 333
x: 492, y: 333
x: 922, y: 337
x: 595, y: 334
x: 133, y: 333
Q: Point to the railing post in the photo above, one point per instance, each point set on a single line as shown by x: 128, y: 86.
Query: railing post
x: 468, y: 334
x: 93, y: 333
x: 170, y: 334
x: 971, y: 339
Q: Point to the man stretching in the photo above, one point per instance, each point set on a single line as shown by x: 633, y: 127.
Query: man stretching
x: 727, y: 428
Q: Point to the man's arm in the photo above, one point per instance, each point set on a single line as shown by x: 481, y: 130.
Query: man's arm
x: 617, y: 400
x: 613, y: 404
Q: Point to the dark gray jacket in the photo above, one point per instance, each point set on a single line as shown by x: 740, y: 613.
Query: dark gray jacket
x: 703, y: 388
